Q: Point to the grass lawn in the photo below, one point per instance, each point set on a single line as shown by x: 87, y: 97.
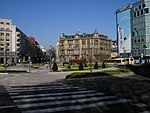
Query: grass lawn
x: 76, y: 67
x: 95, y: 74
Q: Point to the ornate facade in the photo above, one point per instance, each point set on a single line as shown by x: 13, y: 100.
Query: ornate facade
x: 83, y: 47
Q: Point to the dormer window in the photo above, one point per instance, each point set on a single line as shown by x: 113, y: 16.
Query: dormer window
x: 7, y: 23
x: 2, y: 22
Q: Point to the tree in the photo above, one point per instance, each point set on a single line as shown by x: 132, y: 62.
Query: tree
x: 81, y: 66
x: 69, y: 67
x: 96, y: 66
x: 103, y: 65
x: 85, y: 65
x: 55, y: 67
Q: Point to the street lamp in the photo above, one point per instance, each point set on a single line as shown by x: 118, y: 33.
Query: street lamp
x: 5, y: 58
x: 29, y: 63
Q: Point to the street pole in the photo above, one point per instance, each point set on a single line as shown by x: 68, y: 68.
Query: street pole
x: 5, y: 59
x: 29, y: 64
x: 5, y: 62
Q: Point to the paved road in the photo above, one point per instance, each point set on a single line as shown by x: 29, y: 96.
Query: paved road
x: 37, y: 76
x: 41, y: 92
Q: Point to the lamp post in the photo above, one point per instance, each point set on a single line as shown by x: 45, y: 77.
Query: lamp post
x: 5, y: 58
x: 29, y: 63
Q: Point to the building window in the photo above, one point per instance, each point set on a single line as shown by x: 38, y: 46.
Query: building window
x: 142, y: 40
x: 7, y: 49
x: 143, y: 5
x: 138, y: 40
x: 146, y: 10
x: 7, y: 23
x: 7, y: 39
x: 2, y: 29
x: 96, y: 41
x: 2, y: 44
x: 134, y: 14
x: 2, y: 39
x: 136, y: 33
x: 7, y: 34
x: 7, y: 44
x: 18, y: 35
x: 7, y: 29
x: 2, y: 34
x: 2, y: 49
x: 139, y: 6
x: 2, y: 22
x: 137, y: 13
x: 133, y: 34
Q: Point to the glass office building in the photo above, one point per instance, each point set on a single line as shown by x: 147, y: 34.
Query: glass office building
x: 133, y: 22
x: 141, y: 30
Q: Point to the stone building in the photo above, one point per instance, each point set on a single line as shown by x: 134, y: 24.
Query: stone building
x: 16, y: 47
x: 83, y: 47
x: 7, y: 41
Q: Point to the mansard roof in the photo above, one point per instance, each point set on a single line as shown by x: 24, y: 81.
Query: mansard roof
x: 84, y: 35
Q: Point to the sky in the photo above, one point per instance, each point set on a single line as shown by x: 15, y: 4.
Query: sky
x: 47, y: 19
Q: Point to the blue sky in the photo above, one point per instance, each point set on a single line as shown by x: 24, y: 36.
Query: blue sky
x: 46, y: 19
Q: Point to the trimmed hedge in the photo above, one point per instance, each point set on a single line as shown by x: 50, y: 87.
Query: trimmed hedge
x: 55, y: 67
x: 13, y: 71
x: 96, y: 66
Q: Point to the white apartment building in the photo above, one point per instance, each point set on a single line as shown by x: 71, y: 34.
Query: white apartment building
x: 7, y: 41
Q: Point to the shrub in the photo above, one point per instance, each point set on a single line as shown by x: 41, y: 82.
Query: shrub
x: 103, y: 65
x: 55, y: 67
x: 85, y: 65
x: 96, y: 66
x: 69, y: 67
x: 81, y: 66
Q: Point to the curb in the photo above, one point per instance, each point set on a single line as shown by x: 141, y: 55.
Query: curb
x: 4, y: 73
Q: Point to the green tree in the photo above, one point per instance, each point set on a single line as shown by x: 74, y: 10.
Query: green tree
x: 81, y: 66
x: 85, y: 65
x: 103, y: 65
x: 96, y: 66
x: 55, y: 67
x: 69, y: 67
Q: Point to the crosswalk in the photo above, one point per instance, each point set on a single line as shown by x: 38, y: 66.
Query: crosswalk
x: 61, y: 98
